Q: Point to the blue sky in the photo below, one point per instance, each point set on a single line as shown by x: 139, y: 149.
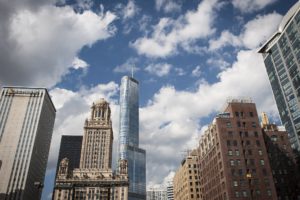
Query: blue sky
x: 189, y: 57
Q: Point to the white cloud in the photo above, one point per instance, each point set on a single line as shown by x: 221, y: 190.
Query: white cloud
x: 252, y: 34
x: 130, y: 10
x: 167, y: 6
x: 168, y: 34
x: 127, y: 67
x: 218, y: 62
x: 197, y: 71
x: 181, y: 125
x: 248, y: 6
x: 159, y: 69
x: 46, y: 40
x: 179, y: 71
x: 78, y: 63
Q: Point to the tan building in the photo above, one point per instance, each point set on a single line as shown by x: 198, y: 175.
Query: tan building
x: 95, y: 178
x: 233, y: 159
x: 186, y: 180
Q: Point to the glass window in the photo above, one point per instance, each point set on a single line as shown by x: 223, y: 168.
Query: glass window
x: 262, y: 162
x: 235, y: 183
x: 230, y: 152
x: 232, y: 163
x: 260, y: 152
x: 237, y: 153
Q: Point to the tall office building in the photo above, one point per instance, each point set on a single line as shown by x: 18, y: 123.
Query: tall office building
x: 94, y: 179
x: 281, y: 55
x: 233, y: 159
x: 129, y: 138
x: 170, y: 190
x: 70, y: 147
x: 26, y: 123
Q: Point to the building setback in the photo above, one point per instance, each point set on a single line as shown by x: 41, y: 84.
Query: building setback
x: 233, y: 160
x: 27, y: 118
x: 157, y: 194
x: 281, y: 55
x: 94, y: 179
x: 170, y: 190
x: 282, y: 161
x: 186, y: 180
x: 70, y: 147
x: 129, y: 138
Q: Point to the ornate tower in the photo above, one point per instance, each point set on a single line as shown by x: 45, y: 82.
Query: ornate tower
x: 96, y: 151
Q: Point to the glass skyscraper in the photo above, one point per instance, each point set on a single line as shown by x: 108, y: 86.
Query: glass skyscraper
x: 129, y: 138
x: 281, y: 56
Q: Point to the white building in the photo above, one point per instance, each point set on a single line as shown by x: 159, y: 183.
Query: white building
x: 26, y: 123
x: 157, y: 194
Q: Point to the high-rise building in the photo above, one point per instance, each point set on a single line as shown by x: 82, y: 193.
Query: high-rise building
x: 281, y: 55
x: 282, y: 161
x: 186, y: 180
x: 70, y: 147
x: 94, y: 179
x: 27, y: 117
x: 159, y: 193
x: 129, y: 138
x: 233, y: 159
x: 170, y: 190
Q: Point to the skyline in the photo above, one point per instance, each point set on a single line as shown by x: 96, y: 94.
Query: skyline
x: 196, y: 70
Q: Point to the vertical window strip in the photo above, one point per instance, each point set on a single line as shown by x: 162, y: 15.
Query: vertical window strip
x: 17, y: 156
x: 33, y: 130
x: 24, y: 151
x: 6, y: 104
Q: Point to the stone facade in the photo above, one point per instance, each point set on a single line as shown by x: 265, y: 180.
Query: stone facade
x: 186, y: 180
x: 94, y: 179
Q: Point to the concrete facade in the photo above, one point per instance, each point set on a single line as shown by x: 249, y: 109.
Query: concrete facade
x: 27, y: 118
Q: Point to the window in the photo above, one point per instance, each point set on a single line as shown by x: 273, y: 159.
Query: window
x: 228, y: 124
x: 249, y: 152
x: 228, y: 142
x: 236, y: 114
x: 235, y: 183
x: 262, y: 162
x: 230, y: 134
x: 245, y: 194
x: 258, y: 192
x: 251, y: 114
x: 237, y: 194
x: 234, y: 143
x: 0, y: 164
x: 232, y: 163
x: 230, y: 152
x: 257, y: 143
x: 246, y: 134
x: 238, y: 162
x: 239, y: 124
x: 260, y: 152
x: 253, y: 124
x: 255, y: 134
x: 269, y: 192
x: 248, y: 142
x: 237, y: 153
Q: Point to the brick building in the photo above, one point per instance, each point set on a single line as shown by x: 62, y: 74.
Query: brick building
x: 233, y: 160
x: 282, y: 160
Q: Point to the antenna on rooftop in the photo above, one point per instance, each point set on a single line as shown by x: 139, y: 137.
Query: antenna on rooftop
x: 132, y: 71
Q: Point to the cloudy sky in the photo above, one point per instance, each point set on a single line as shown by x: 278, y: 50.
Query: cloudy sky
x: 188, y: 55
